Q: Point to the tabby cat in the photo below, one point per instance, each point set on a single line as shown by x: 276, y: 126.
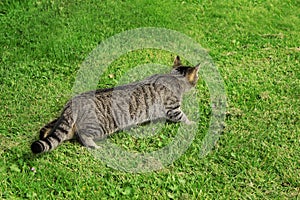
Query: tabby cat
x: 93, y: 115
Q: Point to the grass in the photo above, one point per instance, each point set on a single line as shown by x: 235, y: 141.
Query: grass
x: 255, y: 45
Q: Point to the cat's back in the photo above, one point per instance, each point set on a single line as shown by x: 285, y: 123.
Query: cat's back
x: 154, y: 82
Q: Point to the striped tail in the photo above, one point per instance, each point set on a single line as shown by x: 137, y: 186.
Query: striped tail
x: 53, y: 134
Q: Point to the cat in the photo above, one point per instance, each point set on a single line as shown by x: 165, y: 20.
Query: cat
x: 94, y: 115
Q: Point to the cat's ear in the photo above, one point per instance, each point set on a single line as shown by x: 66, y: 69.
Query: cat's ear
x: 177, y: 62
x: 192, y: 76
x: 196, y: 68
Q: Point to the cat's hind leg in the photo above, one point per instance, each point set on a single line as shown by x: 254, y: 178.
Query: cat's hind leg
x: 88, y: 135
x: 87, y: 141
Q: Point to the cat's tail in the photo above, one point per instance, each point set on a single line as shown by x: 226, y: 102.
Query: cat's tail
x: 53, y: 134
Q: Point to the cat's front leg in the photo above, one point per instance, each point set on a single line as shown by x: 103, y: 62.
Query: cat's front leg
x: 177, y: 115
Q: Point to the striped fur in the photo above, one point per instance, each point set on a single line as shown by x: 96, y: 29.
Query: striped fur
x: 96, y: 114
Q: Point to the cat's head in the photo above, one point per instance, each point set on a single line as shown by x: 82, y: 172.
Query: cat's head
x: 190, y: 73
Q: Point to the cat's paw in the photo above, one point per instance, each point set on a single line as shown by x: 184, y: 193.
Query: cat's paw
x: 190, y: 122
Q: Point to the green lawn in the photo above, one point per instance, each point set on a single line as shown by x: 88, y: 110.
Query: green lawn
x: 254, y: 44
